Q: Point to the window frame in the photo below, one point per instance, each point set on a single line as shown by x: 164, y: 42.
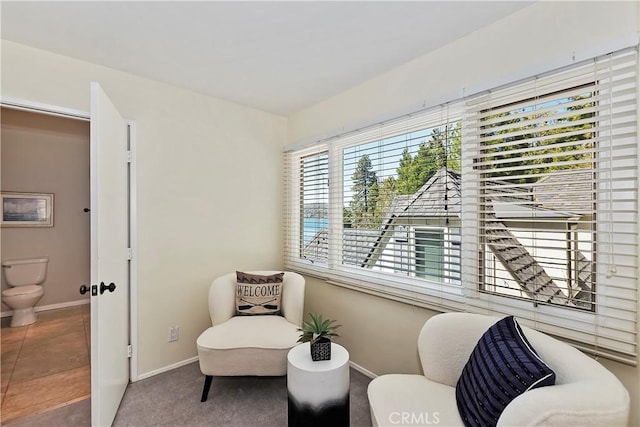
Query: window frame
x: 427, y: 292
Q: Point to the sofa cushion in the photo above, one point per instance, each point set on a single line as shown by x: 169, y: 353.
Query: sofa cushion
x: 257, y: 294
x: 502, y: 366
x: 247, y: 345
x: 411, y: 400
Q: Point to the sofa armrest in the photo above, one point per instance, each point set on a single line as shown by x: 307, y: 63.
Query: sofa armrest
x: 293, y: 297
x: 584, y: 403
x: 446, y: 342
x: 222, y: 298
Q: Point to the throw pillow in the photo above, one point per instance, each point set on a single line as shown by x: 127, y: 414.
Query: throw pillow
x: 502, y: 366
x: 257, y: 294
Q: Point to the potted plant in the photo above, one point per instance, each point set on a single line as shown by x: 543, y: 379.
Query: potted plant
x: 318, y: 333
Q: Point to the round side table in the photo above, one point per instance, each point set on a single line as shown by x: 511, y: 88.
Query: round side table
x: 318, y: 391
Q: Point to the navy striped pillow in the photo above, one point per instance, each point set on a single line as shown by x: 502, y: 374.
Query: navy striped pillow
x: 502, y: 366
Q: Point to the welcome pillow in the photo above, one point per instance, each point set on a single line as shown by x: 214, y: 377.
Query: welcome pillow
x: 257, y: 294
x: 502, y: 366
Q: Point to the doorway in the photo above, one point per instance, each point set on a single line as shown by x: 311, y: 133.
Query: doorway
x: 113, y: 184
x: 46, y: 365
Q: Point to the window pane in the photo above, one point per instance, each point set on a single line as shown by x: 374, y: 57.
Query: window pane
x: 538, y: 199
x: 392, y: 186
x: 314, y: 173
x: 429, y: 253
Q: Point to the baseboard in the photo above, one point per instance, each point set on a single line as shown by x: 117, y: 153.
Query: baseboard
x: 51, y: 306
x: 182, y: 363
x: 362, y: 370
x: 165, y: 369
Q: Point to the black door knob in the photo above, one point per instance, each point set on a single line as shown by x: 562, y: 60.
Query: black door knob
x: 110, y: 288
x: 84, y: 289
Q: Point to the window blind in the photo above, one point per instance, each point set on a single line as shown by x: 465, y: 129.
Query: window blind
x: 519, y: 201
x: 551, y: 203
x: 400, y: 200
x: 393, y: 204
x: 306, y: 201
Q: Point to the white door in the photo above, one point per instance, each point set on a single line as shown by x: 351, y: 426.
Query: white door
x: 109, y: 258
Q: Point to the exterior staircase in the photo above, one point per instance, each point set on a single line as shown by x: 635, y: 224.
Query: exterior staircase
x: 522, y: 266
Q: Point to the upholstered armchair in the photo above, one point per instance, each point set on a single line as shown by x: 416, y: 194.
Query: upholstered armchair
x: 256, y: 344
x: 584, y: 394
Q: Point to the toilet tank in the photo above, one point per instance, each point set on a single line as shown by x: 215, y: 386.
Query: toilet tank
x: 25, y: 271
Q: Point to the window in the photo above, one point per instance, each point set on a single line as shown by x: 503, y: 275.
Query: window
x: 314, y: 202
x: 429, y: 252
x: 551, y: 205
x: 536, y: 166
x: 394, y: 188
x: 536, y: 183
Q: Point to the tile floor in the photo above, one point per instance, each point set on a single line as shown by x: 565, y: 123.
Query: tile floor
x: 45, y: 365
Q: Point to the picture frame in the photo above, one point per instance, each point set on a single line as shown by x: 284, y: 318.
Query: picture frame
x: 26, y: 209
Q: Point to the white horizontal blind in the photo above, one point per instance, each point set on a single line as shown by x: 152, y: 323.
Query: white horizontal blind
x: 314, y: 204
x: 393, y: 204
x: 306, y: 206
x: 400, y: 200
x: 530, y: 210
x: 551, y: 203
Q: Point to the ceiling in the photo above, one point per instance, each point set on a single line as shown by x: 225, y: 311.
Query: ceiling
x: 279, y: 57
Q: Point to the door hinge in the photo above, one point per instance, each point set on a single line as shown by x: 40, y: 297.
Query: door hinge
x: 129, y: 254
x: 129, y: 351
x: 129, y: 156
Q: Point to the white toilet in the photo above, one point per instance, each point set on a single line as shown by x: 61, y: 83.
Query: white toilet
x: 24, y: 276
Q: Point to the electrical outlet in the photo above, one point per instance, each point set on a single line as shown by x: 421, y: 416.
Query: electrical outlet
x: 174, y: 333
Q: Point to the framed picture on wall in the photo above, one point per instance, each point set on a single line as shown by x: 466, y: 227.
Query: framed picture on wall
x: 27, y: 209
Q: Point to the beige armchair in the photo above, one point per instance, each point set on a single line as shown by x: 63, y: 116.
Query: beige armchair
x: 249, y: 345
x: 585, y: 393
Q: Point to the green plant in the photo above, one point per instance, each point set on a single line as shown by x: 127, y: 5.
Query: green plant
x: 317, y: 329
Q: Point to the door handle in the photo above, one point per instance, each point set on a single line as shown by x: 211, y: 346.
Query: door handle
x: 110, y: 288
x: 84, y: 289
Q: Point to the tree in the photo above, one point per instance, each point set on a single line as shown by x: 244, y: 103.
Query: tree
x: 385, y: 198
x: 538, y: 142
x: 441, y: 150
x: 365, y: 194
x: 407, y: 180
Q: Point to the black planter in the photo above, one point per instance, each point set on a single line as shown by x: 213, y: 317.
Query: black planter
x: 321, y: 350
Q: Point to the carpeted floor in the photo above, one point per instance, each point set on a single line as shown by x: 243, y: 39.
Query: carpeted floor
x: 173, y: 399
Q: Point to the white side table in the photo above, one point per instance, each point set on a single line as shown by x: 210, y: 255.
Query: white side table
x: 318, y: 391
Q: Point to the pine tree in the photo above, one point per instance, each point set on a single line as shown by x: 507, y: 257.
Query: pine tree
x: 385, y: 198
x: 365, y: 194
x: 442, y: 149
x: 539, y: 150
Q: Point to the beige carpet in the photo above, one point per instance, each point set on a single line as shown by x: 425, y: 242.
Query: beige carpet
x: 173, y: 399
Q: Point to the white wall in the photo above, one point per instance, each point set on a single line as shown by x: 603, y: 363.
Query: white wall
x: 536, y: 39
x: 209, y: 188
x: 381, y: 335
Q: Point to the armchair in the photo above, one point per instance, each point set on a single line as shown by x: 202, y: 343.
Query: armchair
x: 585, y: 393
x: 249, y: 345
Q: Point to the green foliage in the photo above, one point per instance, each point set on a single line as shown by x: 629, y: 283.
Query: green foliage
x: 441, y: 150
x: 365, y: 194
x: 317, y: 329
x: 547, y: 142
x: 372, y: 198
x: 385, y: 198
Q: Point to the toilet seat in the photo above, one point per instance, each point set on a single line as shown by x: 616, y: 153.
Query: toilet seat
x: 22, y: 290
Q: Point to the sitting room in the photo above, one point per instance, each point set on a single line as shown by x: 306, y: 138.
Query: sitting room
x: 321, y: 213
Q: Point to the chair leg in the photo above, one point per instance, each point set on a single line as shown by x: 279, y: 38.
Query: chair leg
x: 207, y: 386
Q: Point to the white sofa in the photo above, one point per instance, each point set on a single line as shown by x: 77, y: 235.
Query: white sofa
x: 249, y: 345
x: 585, y: 394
